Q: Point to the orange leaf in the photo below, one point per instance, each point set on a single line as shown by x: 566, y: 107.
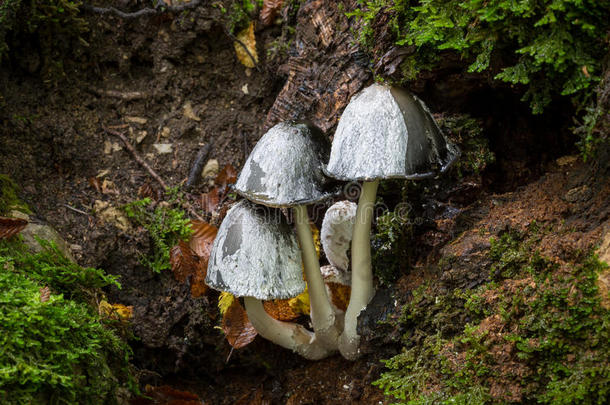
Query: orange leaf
x: 11, y: 226
x: 210, y: 201
x: 339, y: 294
x: 280, y: 310
x: 228, y: 175
x: 183, y: 260
x: 202, y: 239
x: 270, y: 10
x: 237, y: 327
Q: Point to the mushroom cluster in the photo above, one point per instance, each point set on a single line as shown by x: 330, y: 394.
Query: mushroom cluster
x: 384, y: 132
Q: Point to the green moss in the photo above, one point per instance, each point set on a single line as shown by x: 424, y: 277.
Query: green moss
x: 467, y: 133
x: 536, y: 335
x: 166, y: 224
x: 389, y: 242
x: 545, y: 48
x: 8, y: 196
x: 58, y: 351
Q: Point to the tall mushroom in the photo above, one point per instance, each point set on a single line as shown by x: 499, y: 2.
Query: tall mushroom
x: 285, y: 169
x: 256, y: 256
x: 385, y: 132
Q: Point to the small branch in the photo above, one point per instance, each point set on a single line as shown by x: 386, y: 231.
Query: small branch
x: 136, y: 156
x: 141, y: 13
x: 76, y: 210
x: 200, y: 160
x: 127, y: 95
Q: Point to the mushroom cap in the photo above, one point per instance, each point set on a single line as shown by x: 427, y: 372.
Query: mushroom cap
x: 286, y: 167
x: 336, y: 233
x: 256, y: 254
x: 386, y: 132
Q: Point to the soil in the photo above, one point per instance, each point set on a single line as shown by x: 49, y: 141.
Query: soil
x: 191, y: 91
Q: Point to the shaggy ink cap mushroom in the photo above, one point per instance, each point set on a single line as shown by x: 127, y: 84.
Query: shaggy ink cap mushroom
x: 286, y: 167
x: 387, y: 132
x: 256, y: 254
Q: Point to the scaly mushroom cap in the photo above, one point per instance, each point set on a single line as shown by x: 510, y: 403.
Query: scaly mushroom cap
x: 286, y: 167
x: 336, y: 233
x: 386, y: 132
x: 256, y: 254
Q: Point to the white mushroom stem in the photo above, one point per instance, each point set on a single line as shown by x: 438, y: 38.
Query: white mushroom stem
x: 286, y: 334
x: 362, y: 273
x: 322, y: 313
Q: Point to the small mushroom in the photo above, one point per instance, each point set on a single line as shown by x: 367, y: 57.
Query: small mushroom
x: 256, y: 256
x: 385, y: 132
x: 285, y: 169
x: 336, y: 233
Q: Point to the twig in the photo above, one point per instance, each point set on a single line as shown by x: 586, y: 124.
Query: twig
x: 136, y: 156
x: 76, y: 210
x: 127, y: 95
x: 141, y: 13
x: 200, y: 160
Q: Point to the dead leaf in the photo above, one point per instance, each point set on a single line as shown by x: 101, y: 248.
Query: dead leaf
x: 237, y: 327
x: 11, y: 226
x: 108, y: 187
x: 45, y: 294
x: 281, y: 310
x: 118, y: 312
x: 146, y: 190
x: 339, y: 295
x: 95, y: 183
x: 186, y: 263
x: 202, y: 239
x: 271, y: 9
x: 166, y: 395
x: 247, y: 38
x: 183, y: 260
x: 228, y: 175
x: 210, y: 201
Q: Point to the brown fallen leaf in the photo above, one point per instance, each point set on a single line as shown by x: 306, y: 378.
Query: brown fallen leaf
x: 339, y: 294
x: 210, y: 201
x: 271, y: 9
x: 11, y: 226
x: 281, y: 310
x: 96, y: 183
x: 146, y: 190
x: 237, y: 327
x: 186, y: 263
x: 228, y: 175
x: 202, y: 239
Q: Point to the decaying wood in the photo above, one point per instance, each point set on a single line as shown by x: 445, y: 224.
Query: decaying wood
x: 123, y: 95
x: 143, y: 12
x: 325, y: 73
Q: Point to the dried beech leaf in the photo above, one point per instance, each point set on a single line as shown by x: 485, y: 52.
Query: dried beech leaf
x: 146, y: 190
x: 11, y: 226
x: 210, y: 201
x: 247, y: 38
x: 237, y: 327
x: 198, y: 285
x: 281, y: 310
x: 228, y: 175
x: 339, y: 295
x: 45, y: 294
x: 202, y: 239
x: 184, y: 261
x: 300, y: 303
x: 271, y: 9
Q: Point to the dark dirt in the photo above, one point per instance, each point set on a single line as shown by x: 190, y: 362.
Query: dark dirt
x: 52, y: 142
